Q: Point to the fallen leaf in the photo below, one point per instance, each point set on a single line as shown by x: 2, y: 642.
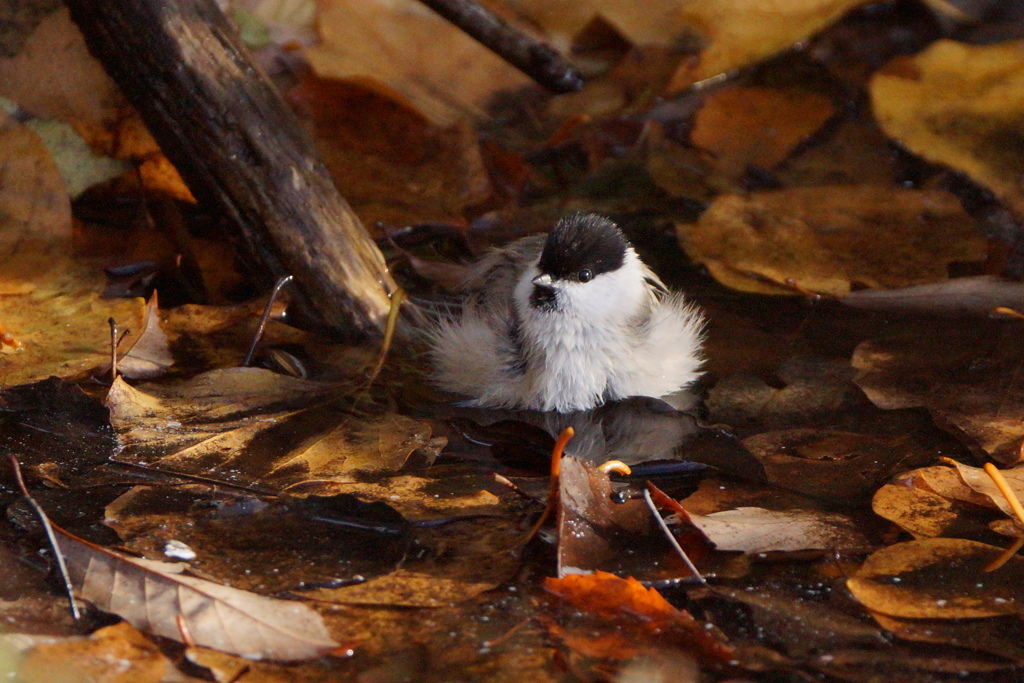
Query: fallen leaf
x: 418, y: 499
x: 919, y: 512
x: 831, y: 464
x: 390, y: 163
x: 593, y: 532
x: 735, y: 33
x: 62, y: 325
x: 118, y: 648
x: 148, y: 355
x: 813, y: 387
x: 54, y: 76
x: 35, y: 211
x: 208, y: 426
x: 755, y: 530
x: 743, y: 127
x: 939, y: 578
x: 857, y: 153
x: 828, y: 239
x: 610, y: 598
x: 413, y: 51
x: 959, y: 105
x: 152, y: 596
x: 980, y: 481
x: 965, y: 375
x: 1000, y: 636
x: 411, y: 588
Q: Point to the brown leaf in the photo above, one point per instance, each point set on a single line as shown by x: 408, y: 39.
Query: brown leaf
x: 411, y: 588
x: 609, y: 597
x: 35, y: 211
x: 387, y: 160
x: 939, y: 578
x: 922, y: 513
x: 54, y: 76
x: 593, y: 532
x: 960, y: 107
x: 753, y: 126
x: 400, y: 44
x: 148, y: 355
x: 115, y: 653
x: 208, y: 426
x: 828, y: 239
x: 980, y: 481
x: 833, y: 465
x: 756, y: 530
x: 965, y: 375
x: 152, y: 596
x: 729, y: 34
x: 1000, y: 636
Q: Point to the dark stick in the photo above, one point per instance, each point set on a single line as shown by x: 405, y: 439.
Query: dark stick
x: 264, y: 318
x: 240, y: 149
x: 61, y: 564
x: 536, y: 59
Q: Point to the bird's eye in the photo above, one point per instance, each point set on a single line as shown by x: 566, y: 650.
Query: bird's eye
x: 585, y: 275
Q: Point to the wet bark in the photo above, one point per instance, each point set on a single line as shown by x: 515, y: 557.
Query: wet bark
x: 239, y: 148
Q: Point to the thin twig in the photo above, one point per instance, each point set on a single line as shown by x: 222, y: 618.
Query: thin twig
x: 1018, y: 510
x: 1004, y: 488
x: 505, y: 481
x: 397, y: 297
x: 507, y: 634
x: 1005, y: 556
x: 556, y: 469
x: 671, y: 538
x: 61, y: 564
x: 533, y: 57
x: 264, y: 318
x: 113, y: 349
x: 1003, y: 310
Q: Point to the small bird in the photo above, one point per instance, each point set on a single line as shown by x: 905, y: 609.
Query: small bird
x: 566, y: 322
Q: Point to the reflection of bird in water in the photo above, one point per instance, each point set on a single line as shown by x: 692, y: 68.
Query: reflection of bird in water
x: 566, y: 322
x: 635, y: 430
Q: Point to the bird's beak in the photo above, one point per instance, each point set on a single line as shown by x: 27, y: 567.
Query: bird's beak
x: 543, y: 280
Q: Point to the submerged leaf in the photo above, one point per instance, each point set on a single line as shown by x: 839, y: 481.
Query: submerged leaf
x: 829, y: 239
x: 939, y: 578
x: 965, y: 375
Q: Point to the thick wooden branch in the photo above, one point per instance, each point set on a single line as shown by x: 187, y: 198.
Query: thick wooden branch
x: 239, y: 147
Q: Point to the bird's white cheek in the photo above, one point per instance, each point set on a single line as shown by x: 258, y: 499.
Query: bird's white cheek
x: 608, y: 297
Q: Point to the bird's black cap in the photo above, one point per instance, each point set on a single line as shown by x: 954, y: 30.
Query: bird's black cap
x: 583, y: 241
